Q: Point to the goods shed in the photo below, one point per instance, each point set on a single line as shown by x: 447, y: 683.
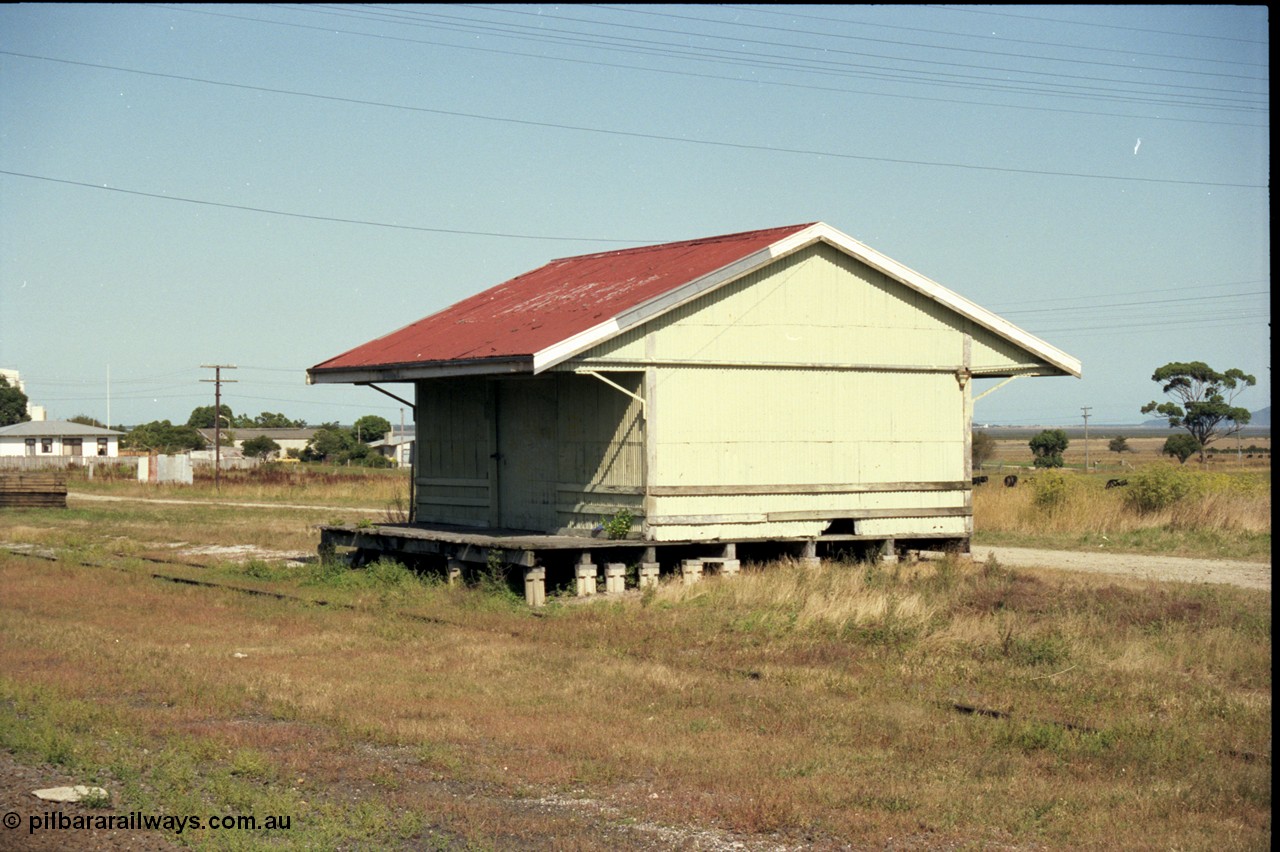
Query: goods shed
x: 787, y: 385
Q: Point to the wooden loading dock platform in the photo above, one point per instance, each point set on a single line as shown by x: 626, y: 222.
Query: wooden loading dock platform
x: 454, y: 550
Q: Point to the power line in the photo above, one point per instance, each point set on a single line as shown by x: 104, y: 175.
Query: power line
x: 1093, y: 299
x: 1100, y: 305
x: 981, y: 37
x: 1094, y: 24
x: 317, y: 218
x: 1156, y: 325
x: 756, y: 59
x: 913, y: 46
x: 539, y: 56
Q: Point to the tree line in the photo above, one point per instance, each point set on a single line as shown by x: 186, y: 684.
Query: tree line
x: 331, y: 442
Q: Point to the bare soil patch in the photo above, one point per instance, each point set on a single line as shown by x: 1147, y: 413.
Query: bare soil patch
x: 17, y: 781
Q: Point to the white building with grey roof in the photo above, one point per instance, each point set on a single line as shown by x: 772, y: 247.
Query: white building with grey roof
x: 53, y: 438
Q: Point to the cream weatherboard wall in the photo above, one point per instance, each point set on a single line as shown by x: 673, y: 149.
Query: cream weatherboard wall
x: 813, y: 390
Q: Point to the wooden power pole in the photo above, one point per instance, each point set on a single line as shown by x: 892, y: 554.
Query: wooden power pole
x: 217, y: 417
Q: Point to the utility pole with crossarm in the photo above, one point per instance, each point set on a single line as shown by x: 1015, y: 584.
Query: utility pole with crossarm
x: 217, y: 417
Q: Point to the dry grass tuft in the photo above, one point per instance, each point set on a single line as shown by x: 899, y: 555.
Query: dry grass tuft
x: 1183, y: 512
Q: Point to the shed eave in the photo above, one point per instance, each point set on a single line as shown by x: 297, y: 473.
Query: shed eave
x: 1031, y: 370
x: 414, y: 372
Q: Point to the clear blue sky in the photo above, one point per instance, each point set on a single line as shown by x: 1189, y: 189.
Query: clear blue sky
x: 270, y: 186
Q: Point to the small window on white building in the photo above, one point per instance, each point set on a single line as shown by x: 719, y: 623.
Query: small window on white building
x: 46, y: 445
x: 102, y: 446
x: 31, y: 446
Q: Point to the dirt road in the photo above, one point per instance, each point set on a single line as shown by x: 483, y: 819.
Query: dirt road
x: 1250, y: 575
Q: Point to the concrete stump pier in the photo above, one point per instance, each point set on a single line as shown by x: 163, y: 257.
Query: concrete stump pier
x: 615, y: 578
x: 809, y: 554
x: 584, y: 577
x: 691, y: 570
x: 535, y: 586
x: 649, y: 574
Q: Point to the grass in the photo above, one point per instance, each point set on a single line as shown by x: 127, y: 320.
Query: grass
x: 943, y: 704
x: 820, y: 705
x: 1220, y: 515
x: 327, y: 485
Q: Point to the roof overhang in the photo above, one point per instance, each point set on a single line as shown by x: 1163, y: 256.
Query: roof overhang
x: 425, y: 370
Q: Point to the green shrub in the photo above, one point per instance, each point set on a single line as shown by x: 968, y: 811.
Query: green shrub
x: 619, y: 526
x: 261, y: 570
x: 1181, y: 447
x: 388, y: 573
x: 1053, y: 489
x: 1048, y: 447
x: 1158, y: 486
x: 982, y: 447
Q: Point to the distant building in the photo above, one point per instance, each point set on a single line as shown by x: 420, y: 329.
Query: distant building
x: 287, y: 439
x: 397, y: 446
x: 49, y: 438
x: 35, y: 412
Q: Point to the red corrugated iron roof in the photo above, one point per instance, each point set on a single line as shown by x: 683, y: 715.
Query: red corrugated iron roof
x: 551, y: 304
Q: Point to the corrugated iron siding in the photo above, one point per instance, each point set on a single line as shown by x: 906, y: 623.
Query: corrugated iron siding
x: 732, y: 423
x: 785, y: 428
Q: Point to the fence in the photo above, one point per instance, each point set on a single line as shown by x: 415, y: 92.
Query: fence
x: 165, y: 469
x: 90, y: 462
x: 65, y: 462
